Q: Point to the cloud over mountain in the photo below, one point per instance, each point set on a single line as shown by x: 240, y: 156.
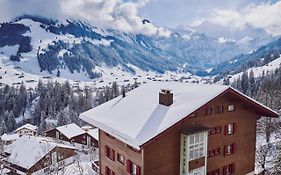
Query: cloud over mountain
x: 114, y: 14
x: 266, y: 16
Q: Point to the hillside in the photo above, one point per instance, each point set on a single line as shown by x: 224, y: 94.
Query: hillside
x: 76, y: 50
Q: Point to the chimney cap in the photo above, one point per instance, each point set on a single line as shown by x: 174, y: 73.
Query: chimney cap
x: 166, y: 91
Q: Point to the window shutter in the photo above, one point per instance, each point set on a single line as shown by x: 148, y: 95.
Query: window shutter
x: 106, y: 170
x: 113, y: 155
x: 234, y: 128
x: 224, y: 170
x: 224, y: 150
x: 233, y: 148
x: 138, y: 170
x: 225, y: 130
x: 233, y: 168
x: 129, y: 166
x: 106, y: 150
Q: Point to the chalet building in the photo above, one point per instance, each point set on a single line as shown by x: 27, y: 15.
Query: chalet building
x: 27, y: 129
x: 74, y: 134
x: 29, y: 154
x: 166, y: 128
x: 7, y: 139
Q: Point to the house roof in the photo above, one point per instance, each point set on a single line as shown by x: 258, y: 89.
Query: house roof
x: 26, y: 151
x: 27, y: 126
x: 71, y: 130
x: 94, y: 133
x: 139, y: 117
x: 9, y: 137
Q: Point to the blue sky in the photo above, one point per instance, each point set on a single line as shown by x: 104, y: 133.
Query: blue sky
x: 172, y: 13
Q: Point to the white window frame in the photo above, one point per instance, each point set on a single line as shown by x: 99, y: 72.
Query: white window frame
x: 231, y: 108
x: 230, y: 128
x: 198, y: 171
x: 196, y: 146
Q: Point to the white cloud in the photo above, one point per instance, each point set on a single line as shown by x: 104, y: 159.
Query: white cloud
x: 266, y: 16
x: 228, y: 18
x: 115, y: 14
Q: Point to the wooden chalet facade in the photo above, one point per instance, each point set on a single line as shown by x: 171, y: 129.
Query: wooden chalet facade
x: 27, y: 129
x: 74, y: 134
x: 216, y: 137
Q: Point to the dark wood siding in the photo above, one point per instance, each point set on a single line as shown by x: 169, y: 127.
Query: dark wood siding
x: 162, y: 155
x: 118, y: 147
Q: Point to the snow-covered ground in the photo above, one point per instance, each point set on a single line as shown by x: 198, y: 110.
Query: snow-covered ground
x: 258, y: 71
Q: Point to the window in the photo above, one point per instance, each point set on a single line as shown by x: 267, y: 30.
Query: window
x: 198, y: 171
x: 120, y: 158
x: 229, y: 129
x: 208, y: 111
x: 215, y: 172
x: 196, y: 146
x: 228, y: 169
x: 110, y: 153
x: 132, y: 168
x: 231, y: 108
x: 213, y: 152
x: 108, y: 171
x: 228, y: 149
x: 215, y: 130
x: 220, y: 109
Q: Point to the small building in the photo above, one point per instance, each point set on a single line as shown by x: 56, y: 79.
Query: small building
x: 27, y: 129
x: 169, y: 128
x: 7, y: 139
x: 72, y: 133
x: 29, y: 154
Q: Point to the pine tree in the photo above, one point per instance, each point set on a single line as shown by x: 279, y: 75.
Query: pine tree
x: 62, y: 118
x: 11, y: 121
x: 244, y: 82
x: 276, y: 170
x: 43, y: 124
x: 3, y: 127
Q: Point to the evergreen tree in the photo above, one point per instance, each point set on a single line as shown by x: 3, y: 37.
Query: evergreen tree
x: 3, y: 127
x: 62, y: 118
x: 244, y: 82
x: 276, y: 169
x: 11, y: 122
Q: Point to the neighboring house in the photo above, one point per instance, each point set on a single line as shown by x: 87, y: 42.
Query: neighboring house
x: 29, y: 154
x: 72, y: 133
x: 7, y: 139
x: 27, y: 129
x: 188, y: 129
x: 94, y: 135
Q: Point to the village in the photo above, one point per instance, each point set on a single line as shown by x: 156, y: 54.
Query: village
x: 67, y: 149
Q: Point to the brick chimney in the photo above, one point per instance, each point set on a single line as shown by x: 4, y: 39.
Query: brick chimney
x: 165, y: 97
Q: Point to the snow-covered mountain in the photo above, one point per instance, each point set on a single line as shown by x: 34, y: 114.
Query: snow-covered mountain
x: 264, y: 59
x: 75, y: 49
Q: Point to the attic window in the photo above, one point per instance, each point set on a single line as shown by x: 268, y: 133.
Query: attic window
x: 231, y: 108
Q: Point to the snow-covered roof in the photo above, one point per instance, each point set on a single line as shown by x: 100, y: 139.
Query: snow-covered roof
x: 27, y: 126
x: 28, y: 150
x: 139, y: 117
x: 9, y: 137
x: 71, y: 130
x: 94, y: 133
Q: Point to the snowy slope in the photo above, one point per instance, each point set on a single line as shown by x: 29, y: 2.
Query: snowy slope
x: 262, y: 70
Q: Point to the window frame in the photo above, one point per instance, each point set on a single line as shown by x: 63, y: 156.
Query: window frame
x: 119, y: 160
x: 196, y: 146
x: 229, y: 149
x: 231, y: 108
